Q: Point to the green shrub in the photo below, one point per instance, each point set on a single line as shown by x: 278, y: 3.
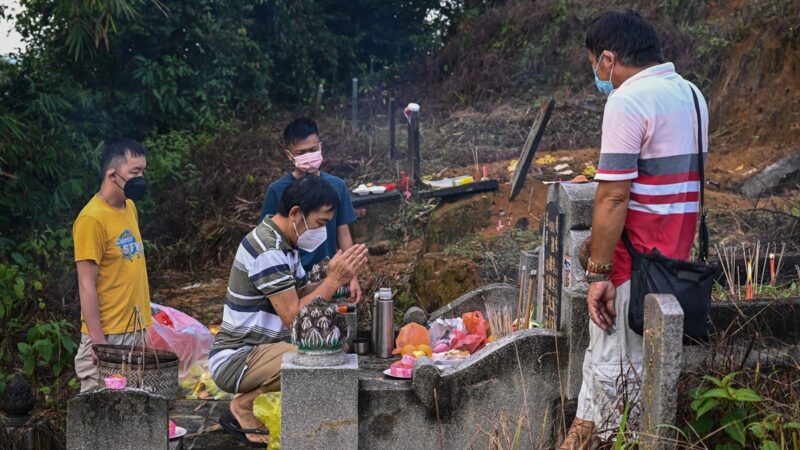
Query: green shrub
x: 719, y: 405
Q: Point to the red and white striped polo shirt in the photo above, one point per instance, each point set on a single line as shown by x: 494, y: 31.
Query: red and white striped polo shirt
x: 650, y: 137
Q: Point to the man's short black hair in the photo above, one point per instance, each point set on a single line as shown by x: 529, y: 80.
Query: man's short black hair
x: 299, y: 129
x: 119, y: 149
x: 310, y: 193
x: 626, y: 33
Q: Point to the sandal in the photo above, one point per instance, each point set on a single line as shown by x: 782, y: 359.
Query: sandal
x: 231, y: 425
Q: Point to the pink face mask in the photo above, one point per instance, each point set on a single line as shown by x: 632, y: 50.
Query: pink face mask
x: 308, y: 162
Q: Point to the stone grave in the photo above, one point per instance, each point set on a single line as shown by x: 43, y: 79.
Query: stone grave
x: 129, y: 419
x: 319, y: 383
x: 566, y: 223
x: 663, y: 346
x: 319, y: 404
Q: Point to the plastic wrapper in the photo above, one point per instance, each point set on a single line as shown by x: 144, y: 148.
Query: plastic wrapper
x: 267, y: 409
x: 469, y: 342
x: 197, y: 384
x: 475, y: 323
x: 178, y: 332
x: 440, y: 328
x: 412, y: 334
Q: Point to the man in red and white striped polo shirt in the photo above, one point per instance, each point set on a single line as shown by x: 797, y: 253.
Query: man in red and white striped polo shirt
x: 648, y: 183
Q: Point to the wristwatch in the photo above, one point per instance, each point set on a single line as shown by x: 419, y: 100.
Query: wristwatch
x: 592, y: 277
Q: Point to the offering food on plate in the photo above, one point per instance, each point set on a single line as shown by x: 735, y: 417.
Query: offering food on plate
x: 171, y: 428
x: 450, y: 355
x: 362, y: 189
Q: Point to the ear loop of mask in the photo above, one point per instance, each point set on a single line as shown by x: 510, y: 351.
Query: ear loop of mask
x: 611, y: 75
x: 295, y: 225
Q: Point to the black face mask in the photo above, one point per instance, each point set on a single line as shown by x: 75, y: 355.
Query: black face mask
x: 134, y: 187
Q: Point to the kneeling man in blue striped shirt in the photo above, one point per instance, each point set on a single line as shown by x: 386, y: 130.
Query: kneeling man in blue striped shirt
x: 266, y: 290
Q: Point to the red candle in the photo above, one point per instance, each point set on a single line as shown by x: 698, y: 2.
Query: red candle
x: 772, y: 269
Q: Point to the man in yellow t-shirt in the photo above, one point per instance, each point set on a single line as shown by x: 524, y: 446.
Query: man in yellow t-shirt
x: 109, y: 254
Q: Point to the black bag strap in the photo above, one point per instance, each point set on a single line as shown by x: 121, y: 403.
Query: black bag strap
x: 629, y: 245
x: 701, y: 169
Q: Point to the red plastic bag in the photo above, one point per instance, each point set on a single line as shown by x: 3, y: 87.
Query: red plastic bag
x: 475, y: 323
x: 184, y: 335
x: 163, y: 318
x: 469, y: 342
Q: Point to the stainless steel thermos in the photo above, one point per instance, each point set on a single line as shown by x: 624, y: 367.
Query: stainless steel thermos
x: 383, y: 323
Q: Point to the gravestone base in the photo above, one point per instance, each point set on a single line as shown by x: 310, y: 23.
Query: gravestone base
x: 128, y: 419
x: 575, y: 327
x: 320, y: 358
x: 319, y: 405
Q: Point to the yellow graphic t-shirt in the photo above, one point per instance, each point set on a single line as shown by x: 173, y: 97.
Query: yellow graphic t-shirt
x: 110, y: 237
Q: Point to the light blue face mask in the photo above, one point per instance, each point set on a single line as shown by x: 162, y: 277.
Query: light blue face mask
x: 604, y: 86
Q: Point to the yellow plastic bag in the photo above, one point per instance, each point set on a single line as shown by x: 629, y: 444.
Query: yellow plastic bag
x: 267, y: 409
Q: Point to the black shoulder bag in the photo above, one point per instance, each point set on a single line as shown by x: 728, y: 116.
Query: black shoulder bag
x: 690, y: 282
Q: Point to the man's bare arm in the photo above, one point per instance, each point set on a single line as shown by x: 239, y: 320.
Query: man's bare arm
x: 610, y: 211
x: 90, y: 305
x: 608, y: 219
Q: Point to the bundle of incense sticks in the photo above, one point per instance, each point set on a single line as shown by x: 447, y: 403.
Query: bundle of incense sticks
x: 755, y: 269
x: 501, y: 320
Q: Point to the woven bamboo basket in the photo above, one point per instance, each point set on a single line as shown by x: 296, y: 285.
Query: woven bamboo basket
x: 152, y: 370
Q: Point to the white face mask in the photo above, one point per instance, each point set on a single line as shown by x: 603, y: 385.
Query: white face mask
x: 311, y: 239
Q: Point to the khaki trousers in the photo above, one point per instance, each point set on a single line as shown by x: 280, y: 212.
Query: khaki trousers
x: 612, y: 370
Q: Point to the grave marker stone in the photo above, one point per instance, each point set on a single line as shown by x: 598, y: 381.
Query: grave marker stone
x: 414, y: 156
x: 663, y: 346
x: 355, y: 105
x: 552, y: 266
x: 392, y: 124
x: 531, y: 144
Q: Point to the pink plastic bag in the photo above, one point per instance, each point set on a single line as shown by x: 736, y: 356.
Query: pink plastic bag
x: 469, y: 342
x: 187, y: 337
